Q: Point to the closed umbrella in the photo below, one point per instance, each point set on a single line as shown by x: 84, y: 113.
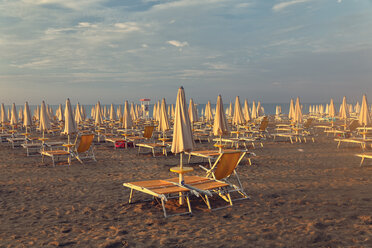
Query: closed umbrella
x: 119, y: 113
x: 27, y: 120
x: 344, y: 111
x: 298, y: 118
x: 127, y: 119
x: 112, y: 113
x: 220, y: 125
x: 44, y: 122
x: 247, y: 115
x: 164, y: 120
x: 238, y: 117
x: 70, y: 123
x: 254, y: 111
x: 208, y: 112
x: 192, y: 112
x: 291, y: 110
x: 13, y: 116
x: 3, y: 117
x: 78, y: 116
x: 183, y: 140
x: 364, y: 115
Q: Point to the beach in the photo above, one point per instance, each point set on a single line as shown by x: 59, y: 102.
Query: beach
x: 301, y: 195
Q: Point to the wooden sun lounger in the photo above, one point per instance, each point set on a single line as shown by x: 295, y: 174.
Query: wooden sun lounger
x: 160, y: 189
x: 364, y: 156
x: 152, y: 146
x: 362, y: 142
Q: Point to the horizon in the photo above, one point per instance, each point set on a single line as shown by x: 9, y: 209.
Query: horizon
x: 110, y: 50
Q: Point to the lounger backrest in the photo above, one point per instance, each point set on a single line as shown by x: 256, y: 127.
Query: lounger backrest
x: 148, y: 132
x: 264, y: 125
x: 308, y: 123
x: 85, y: 142
x: 353, y: 125
x: 227, y: 163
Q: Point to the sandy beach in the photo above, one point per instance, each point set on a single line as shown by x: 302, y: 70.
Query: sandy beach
x: 302, y: 195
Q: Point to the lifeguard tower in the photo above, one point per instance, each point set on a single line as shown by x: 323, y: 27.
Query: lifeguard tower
x: 145, y: 105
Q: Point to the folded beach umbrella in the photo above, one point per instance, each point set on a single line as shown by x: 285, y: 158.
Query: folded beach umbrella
x: 133, y: 112
x: 357, y: 108
x: 254, y: 111
x: 291, y: 110
x: 44, y: 124
x: 230, y: 109
x: 98, y: 119
x: 331, y: 109
x: 169, y: 110
x: 83, y: 112
x: 3, y: 115
x: 192, y: 112
x: 208, y: 112
x: 364, y: 115
x: 13, y: 115
x: 20, y: 114
x: 93, y: 112
x: 59, y: 113
x: 297, y: 112
x: 247, y: 115
x: 127, y: 119
x: 183, y: 140
x: 112, y: 113
x: 163, y: 120
x: 238, y: 117
x: 220, y: 125
x: 70, y: 121
x: 119, y: 113
x: 78, y: 117
x: 27, y: 120
x: 344, y: 110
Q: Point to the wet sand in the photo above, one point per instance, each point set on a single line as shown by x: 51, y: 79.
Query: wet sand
x: 302, y: 195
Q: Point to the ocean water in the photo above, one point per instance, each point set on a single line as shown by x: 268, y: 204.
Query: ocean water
x: 268, y: 107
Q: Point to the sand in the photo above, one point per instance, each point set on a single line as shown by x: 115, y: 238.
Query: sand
x: 302, y: 195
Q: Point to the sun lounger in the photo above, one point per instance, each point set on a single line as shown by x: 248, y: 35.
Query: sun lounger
x: 364, y: 156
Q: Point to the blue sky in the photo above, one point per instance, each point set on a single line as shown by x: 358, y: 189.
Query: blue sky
x: 116, y: 50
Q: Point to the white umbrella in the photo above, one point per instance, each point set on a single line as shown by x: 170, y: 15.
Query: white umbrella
x: 220, y: 125
x: 13, y: 116
x: 164, y: 121
x: 112, y: 113
x: 183, y: 140
x: 78, y: 115
x: 344, y: 111
x: 119, y: 113
x: 364, y: 115
x: 98, y: 119
x: 238, y: 117
x: 155, y: 111
x: 192, y: 112
x: 297, y: 112
x: 3, y: 116
x: 127, y: 119
x: 230, y: 109
x: 291, y: 110
x: 254, y: 110
x: 44, y: 124
x: 27, y: 120
x: 70, y: 123
x: 20, y: 114
x: 247, y: 115
x: 208, y: 112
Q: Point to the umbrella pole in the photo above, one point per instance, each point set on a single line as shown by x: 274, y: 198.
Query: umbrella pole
x: 181, y: 201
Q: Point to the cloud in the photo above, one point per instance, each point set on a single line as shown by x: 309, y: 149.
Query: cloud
x: 70, y: 4
x: 38, y: 64
x: 127, y: 26
x: 177, y: 43
x: 185, y: 3
x: 281, y: 6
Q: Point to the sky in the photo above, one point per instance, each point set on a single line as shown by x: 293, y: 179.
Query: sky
x: 117, y: 50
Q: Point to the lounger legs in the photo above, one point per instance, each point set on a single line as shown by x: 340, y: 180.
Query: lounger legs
x: 361, y: 162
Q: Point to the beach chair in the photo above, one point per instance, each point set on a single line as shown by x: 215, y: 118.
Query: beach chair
x: 83, y: 151
x: 364, y: 156
x: 224, y: 171
x: 85, y: 148
x: 162, y: 190
x: 147, y: 134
